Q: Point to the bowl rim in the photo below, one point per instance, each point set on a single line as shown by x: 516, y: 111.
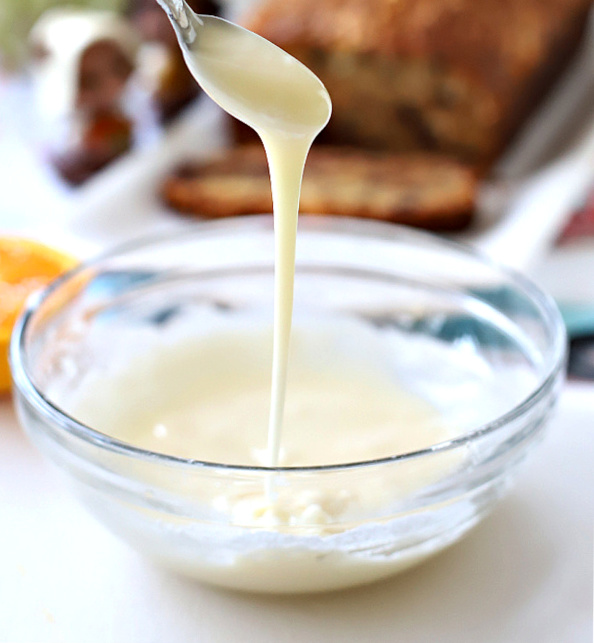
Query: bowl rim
x: 24, y: 385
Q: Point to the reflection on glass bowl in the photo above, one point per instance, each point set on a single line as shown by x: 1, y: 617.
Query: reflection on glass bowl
x: 481, y: 344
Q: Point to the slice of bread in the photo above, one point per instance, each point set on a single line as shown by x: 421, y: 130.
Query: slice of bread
x: 424, y: 190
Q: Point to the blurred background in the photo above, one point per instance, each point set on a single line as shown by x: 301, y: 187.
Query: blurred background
x: 17, y: 17
x: 475, y: 118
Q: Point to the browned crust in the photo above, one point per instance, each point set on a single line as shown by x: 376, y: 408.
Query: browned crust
x: 509, y: 51
x: 422, y: 190
x: 498, y: 42
x: 556, y: 58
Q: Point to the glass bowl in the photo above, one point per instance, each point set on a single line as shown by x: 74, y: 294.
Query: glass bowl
x: 481, y: 344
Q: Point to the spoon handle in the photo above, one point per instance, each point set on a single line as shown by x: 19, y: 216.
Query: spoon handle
x: 183, y: 19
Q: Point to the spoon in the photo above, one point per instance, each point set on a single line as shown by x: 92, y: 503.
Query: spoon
x: 248, y: 76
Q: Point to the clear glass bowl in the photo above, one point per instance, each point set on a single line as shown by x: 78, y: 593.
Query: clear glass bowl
x: 480, y: 343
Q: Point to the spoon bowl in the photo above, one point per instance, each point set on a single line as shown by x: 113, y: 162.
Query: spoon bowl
x: 249, y: 77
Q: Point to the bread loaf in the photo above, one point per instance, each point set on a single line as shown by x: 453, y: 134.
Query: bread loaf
x: 455, y: 76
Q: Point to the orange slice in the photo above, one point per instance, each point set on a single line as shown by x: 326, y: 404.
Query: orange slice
x: 25, y: 266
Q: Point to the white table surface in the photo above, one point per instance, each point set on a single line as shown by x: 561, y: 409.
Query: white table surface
x: 523, y: 575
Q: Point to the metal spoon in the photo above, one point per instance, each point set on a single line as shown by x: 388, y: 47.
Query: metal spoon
x: 248, y: 76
